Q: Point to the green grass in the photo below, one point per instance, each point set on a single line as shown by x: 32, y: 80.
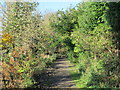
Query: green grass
x: 75, y: 75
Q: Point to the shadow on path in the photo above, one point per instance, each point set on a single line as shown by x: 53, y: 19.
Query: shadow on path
x: 56, y: 76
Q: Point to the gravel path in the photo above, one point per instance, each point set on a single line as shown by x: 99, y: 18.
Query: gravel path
x: 57, y: 76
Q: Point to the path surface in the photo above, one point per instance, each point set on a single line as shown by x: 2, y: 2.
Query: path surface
x: 58, y: 75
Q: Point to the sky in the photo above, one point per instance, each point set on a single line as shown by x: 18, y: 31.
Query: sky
x: 46, y: 7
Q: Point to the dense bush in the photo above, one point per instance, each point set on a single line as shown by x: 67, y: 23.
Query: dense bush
x: 27, y: 47
x: 90, y: 31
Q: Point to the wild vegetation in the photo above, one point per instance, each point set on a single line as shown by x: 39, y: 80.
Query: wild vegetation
x: 27, y: 48
x: 88, y: 35
x: 90, y: 32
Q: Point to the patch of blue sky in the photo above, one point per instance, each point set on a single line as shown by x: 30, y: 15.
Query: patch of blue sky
x: 47, y: 7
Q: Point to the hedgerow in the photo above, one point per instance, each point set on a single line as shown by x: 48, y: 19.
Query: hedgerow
x: 27, y: 46
x: 90, y: 31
